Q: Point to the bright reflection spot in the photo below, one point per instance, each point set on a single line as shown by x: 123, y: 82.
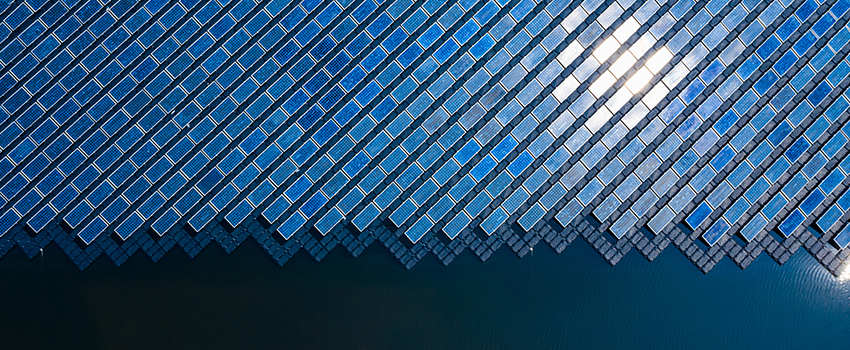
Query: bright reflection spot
x: 623, y: 64
x: 845, y: 273
x: 654, y: 96
x: 659, y: 60
x: 629, y: 27
x: 618, y: 100
x: 642, y: 45
x: 602, y: 84
x: 604, y: 51
x: 639, y: 80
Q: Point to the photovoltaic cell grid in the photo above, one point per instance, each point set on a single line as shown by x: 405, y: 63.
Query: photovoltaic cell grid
x: 428, y: 126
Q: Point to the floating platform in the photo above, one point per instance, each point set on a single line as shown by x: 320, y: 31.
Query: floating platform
x: 430, y: 127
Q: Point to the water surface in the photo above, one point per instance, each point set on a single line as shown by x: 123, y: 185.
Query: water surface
x: 544, y: 300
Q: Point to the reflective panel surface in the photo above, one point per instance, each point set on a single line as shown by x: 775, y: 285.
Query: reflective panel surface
x: 429, y: 127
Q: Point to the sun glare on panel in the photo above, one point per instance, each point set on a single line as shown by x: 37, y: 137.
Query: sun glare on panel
x: 602, y: 84
x: 659, y: 60
x: 623, y: 64
x: 604, y: 51
x: 639, y: 80
x: 629, y: 27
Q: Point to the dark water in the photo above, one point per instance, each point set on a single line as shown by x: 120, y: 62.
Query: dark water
x: 543, y: 301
